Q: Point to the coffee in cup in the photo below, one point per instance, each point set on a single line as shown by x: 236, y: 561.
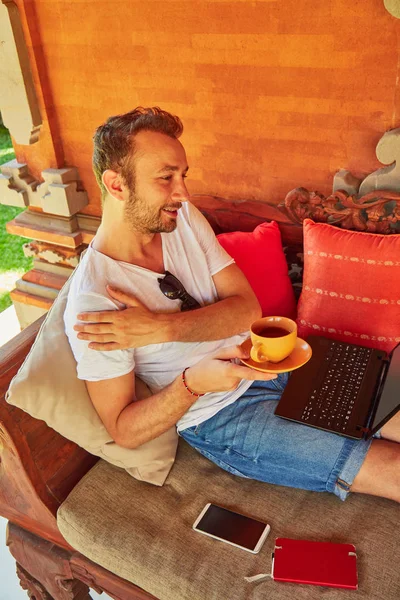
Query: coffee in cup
x: 273, y: 339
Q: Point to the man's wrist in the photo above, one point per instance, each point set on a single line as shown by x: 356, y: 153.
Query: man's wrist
x: 164, y: 328
x: 188, y: 389
x: 192, y: 383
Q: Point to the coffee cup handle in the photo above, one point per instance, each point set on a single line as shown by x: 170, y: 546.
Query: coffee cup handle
x: 256, y: 353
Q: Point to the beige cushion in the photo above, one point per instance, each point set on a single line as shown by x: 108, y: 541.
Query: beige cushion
x: 47, y: 387
x: 145, y: 534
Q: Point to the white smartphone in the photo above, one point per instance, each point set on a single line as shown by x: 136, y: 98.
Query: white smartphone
x: 231, y: 527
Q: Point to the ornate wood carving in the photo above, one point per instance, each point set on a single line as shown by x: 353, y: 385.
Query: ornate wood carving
x: 377, y: 212
x: 18, y: 101
x: 34, y: 589
x: 48, y: 572
x: 100, y: 579
x: 44, y: 568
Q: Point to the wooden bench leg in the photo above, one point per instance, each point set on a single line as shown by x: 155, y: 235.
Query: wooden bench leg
x: 43, y: 568
x: 34, y: 589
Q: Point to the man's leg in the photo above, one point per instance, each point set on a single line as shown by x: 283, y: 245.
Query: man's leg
x: 247, y: 439
x: 391, y: 430
x: 379, y: 474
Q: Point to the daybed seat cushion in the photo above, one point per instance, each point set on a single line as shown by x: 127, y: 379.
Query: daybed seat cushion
x: 144, y: 534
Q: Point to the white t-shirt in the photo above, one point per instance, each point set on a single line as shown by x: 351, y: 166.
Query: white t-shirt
x: 193, y: 254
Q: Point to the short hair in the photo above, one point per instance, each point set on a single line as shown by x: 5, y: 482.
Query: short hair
x: 114, y: 140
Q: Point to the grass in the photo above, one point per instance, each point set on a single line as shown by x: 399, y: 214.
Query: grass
x: 6, y: 149
x: 13, y: 263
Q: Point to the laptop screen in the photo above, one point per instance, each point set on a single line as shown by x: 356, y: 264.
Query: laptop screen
x: 390, y: 398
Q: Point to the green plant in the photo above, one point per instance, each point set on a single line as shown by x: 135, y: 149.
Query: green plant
x: 6, y: 149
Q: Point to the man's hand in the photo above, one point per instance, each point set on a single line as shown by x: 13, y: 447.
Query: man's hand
x: 137, y: 326
x: 131, y: 421
x: 218, y: 374
x: 131, y: 327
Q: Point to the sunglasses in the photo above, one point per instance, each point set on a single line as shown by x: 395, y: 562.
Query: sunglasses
x: 173, y: 289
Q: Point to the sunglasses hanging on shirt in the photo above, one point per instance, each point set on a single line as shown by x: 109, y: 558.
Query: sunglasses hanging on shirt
x: 173, y: 289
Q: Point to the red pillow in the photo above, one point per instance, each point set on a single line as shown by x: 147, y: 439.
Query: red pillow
x: 351, y: 286
x: 260, y: 256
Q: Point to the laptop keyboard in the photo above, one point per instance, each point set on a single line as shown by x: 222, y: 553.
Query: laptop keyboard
x: 332, y: 401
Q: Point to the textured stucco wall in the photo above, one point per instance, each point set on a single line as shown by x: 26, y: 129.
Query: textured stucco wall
x: 273, y: 94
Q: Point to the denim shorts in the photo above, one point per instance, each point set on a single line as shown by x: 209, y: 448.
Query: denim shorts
x: 248, y: 440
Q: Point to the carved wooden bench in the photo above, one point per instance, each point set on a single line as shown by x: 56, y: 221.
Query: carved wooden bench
x: 39, y: 468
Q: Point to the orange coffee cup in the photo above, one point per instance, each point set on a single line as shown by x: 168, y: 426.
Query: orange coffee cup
x: 273, y: 339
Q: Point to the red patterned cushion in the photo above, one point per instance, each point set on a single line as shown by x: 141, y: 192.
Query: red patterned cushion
x: 351, y: 286
x: 260, y: 256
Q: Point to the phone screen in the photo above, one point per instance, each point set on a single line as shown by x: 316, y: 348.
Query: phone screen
x: 232, y: 527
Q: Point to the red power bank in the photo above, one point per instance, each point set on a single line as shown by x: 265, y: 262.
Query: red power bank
x: 315, y: 563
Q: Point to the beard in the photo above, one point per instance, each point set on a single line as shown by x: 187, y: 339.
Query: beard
x: 141, y: 218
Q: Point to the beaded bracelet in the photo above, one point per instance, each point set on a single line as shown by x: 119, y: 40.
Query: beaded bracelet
x: 187, y: 387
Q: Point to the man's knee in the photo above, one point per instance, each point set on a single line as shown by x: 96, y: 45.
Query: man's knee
x: 380, y: 472
x: 391, y: 430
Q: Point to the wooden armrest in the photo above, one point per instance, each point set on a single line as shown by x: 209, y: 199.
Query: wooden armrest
x: 38, y: 467
x: 17, y: 348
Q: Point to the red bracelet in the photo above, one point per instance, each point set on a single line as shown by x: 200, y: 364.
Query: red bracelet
x: 187, y: 387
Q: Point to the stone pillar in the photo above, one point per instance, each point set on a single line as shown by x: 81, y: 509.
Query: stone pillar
x: 18, y: 100
x: 53, y: 197
x: 58, y: 232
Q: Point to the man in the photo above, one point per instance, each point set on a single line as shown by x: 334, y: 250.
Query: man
x: 159, y: 249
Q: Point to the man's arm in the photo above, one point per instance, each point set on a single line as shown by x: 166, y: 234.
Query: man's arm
x: 236, y: 310
x: 137, y: 326
x: 132, y: 422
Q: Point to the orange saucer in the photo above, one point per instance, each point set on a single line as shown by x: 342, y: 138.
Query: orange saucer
x: 300, y: 355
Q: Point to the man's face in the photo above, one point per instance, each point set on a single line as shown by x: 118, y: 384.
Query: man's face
x: 160, y: 168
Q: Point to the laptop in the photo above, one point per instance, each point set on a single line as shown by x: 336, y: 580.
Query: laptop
x: 344, y: 388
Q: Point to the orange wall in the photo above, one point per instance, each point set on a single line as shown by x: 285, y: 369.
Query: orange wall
x: 273, y: 94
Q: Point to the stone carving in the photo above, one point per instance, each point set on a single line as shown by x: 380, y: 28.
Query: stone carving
x: 377, y: 212
x: 52, y: 254
x: 393, y: 6
x: 388, y: 153
x: 345, y: 181
x: 61, y: 192
x: 18, y: 101
x: 386, y: 178
x: 17, y: 186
